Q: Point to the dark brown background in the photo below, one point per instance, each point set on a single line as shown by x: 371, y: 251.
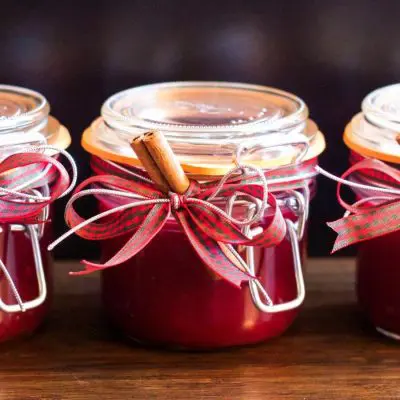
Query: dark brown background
x: 331, y: 53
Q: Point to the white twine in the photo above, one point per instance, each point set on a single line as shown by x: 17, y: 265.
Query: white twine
x: 392, y: 191
x: 140, y: 201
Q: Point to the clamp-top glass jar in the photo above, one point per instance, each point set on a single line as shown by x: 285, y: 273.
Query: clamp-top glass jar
x: 24, y: 263
x: 374, y: 133
x: 165, y: 295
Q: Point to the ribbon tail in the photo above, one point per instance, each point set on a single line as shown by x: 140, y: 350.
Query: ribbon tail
x: 358, y: 228
x: 150, y: 227
x: 346, y: 236
x: 214, y: 254
x: 339, y: 243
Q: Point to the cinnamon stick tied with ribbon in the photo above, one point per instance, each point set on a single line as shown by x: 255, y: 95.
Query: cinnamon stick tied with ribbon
x: 163, y: 167
x: 158, y: 159
x: 149, y: 164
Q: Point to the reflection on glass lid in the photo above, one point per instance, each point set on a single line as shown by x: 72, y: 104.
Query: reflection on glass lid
x: 203, y: 106
x: 379, y: 123
x: 22, y: 110
x: 206, y: 119
x: 382, y: 107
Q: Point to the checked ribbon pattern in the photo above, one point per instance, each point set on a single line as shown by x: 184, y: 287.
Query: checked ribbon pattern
x: 20, y: 174
x: 138, y: 208
x: 372, y: 216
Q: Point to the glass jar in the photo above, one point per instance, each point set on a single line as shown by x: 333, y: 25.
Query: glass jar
x: 25, y: 267
x: 165, y: 295
x: 373, y: 133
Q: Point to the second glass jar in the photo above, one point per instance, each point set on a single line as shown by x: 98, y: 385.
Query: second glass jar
x: 165, y: 295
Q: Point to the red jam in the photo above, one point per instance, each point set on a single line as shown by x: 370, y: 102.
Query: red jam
x: 378, y: 277
x: 166, y: 296
x: 378, y: 280
x: 17, y: 254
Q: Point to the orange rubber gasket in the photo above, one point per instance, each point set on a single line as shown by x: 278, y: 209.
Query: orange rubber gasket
x: 352, y: 143
x: 93, y: 146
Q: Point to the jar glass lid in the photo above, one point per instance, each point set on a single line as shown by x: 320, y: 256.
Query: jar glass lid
x: 22, y: 110
x: 205, y: 110
x: 205, y: 122
x: 24, y: 120
x: 375, y: 131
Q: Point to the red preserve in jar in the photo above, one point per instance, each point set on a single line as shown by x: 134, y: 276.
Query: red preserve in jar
x: 25, y: 270
x: 165, y: 295
x: 373, y: 134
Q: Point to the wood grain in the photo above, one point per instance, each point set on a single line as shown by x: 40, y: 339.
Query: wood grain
x: 329, y: 353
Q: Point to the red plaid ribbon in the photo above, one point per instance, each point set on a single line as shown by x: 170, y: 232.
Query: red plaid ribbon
x: 374, y: 174
x: 17, y: 169
x: 372, y: 216
x: 141, y: 209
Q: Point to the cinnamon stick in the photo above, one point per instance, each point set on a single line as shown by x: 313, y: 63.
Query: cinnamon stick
x: 148, y: 164
x: 167, y: 163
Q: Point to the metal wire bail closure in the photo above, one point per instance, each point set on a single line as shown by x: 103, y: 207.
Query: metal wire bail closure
x: 295, y: 231
x: 34, y: 233
x: 21, y: 305
x: 298, y: 202
x: 257, y: 294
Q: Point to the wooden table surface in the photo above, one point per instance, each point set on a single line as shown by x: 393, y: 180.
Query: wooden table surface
x: 329, y: 353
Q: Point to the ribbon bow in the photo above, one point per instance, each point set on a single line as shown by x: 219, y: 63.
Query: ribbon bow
x: 137, y: 207
x: 372, y: 216
x: 20, y: 175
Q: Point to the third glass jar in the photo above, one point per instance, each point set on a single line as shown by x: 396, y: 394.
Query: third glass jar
x: 25, y: 273
x: 374, y: 133
x: 165, y: 295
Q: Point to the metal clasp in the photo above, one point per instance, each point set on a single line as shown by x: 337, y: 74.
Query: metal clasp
x: 255, y: 291
x: 298, y: 202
